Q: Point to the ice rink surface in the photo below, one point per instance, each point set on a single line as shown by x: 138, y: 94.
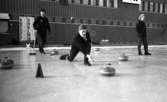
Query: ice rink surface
x: 141, y: 79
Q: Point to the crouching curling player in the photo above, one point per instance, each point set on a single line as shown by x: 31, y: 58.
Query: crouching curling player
x: 81, y: 43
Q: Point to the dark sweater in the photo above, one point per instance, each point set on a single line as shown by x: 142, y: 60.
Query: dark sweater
x: 41, y: 24
x: 82, y: 44
x: 141, y: 29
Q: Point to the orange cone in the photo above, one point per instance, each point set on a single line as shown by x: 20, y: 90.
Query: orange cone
x: 39, y: 73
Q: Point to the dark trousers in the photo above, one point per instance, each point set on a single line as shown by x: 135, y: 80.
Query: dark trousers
x: 41, y: 40
x: 74, y: 51
x: 142, y: 40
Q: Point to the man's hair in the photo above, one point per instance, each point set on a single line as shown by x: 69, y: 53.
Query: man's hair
x: 42, y: 10
x: 140, y: 16
x: 82, y: 27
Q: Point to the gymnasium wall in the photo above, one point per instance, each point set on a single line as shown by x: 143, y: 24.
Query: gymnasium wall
x: 115, y: 24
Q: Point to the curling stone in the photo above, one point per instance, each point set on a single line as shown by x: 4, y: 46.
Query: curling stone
x: 108, y: 71
x: 54, y: 52
x: 6, y: 63
x: 123, y: 57
x: 97, y: 49
x: 32, y: 52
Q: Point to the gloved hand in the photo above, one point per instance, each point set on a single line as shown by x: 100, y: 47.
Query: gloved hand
x: 90, y: 58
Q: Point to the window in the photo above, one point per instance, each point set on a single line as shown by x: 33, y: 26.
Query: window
x: 105, y: 3
x: 93, y: 2
x: 145, y: 6
x: 85, y: 2
x: 165, y: 8
x: 108, y: 4
x: 156, y: 7
x: 115, y: 3
x: 78, y: 2
x: 101, y: 3
x: 81, y: 1
x: 97, y: 3
x: 141, y: 6
x: 151, y: 6
x: 111, y: 3
x: 89, y: 2
x: 148, y: 7
x: 161, y: 8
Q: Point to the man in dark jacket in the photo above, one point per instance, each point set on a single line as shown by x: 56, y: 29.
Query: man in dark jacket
x: 80, y: 43
x: 41, y: 24
x: 142, y: 34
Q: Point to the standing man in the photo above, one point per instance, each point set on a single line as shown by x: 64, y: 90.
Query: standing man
x: 142, y: 34
x: 41, y: 24
x: 80, y: 43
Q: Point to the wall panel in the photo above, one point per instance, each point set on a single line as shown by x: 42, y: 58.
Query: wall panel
x: 63, y: 34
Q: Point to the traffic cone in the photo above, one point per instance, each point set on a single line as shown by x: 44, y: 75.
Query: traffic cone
x: 108, y: 70
x: 39, y: 73
x: 123, y: 57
